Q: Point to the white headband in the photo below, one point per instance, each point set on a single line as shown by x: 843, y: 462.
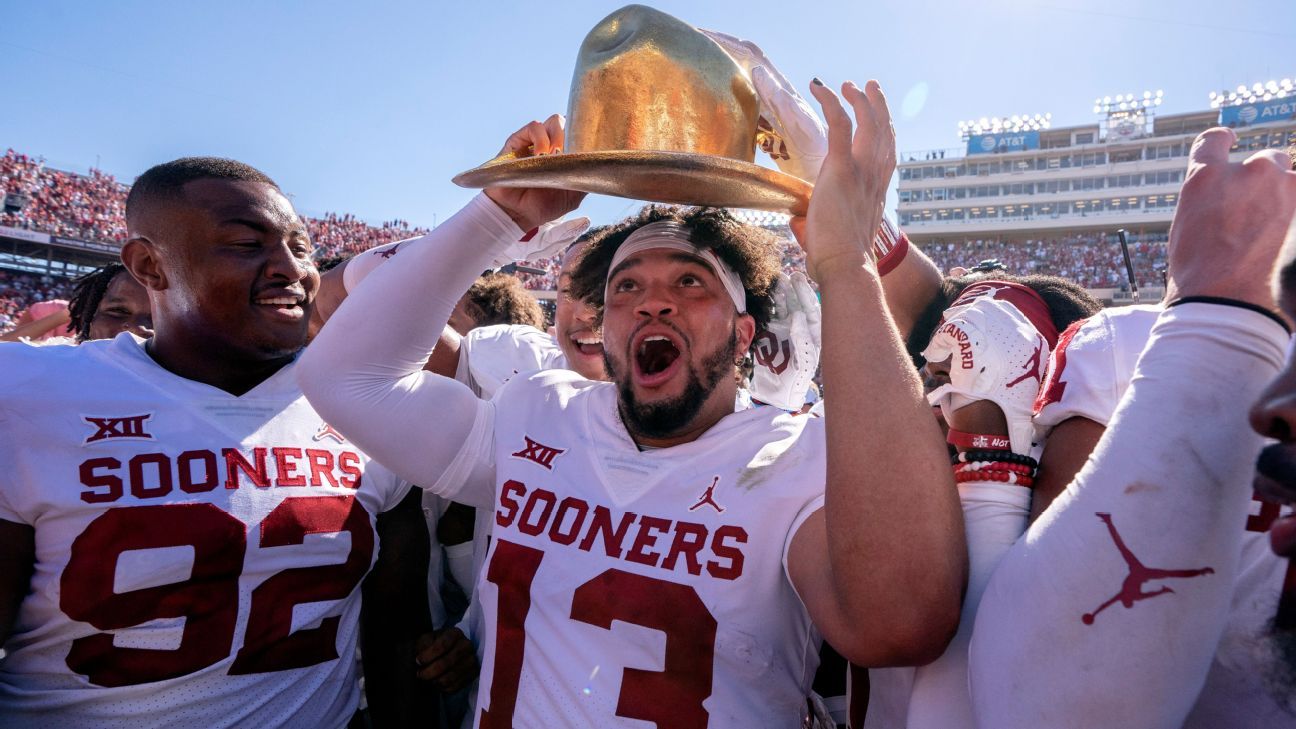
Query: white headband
x: 669, y: 235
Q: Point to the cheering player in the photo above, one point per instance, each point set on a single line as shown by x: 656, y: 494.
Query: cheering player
x: 648, y: 502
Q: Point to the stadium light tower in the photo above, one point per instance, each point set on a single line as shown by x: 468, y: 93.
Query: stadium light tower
x: 1126, y: 115
x: 1004, y: 125
x: 1256, y: 92
x: 1109, y: 105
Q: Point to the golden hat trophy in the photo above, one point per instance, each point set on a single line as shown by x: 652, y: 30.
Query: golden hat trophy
x: 658, y: 112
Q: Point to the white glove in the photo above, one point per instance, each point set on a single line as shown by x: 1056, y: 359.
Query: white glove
x: 786, y: 354
x: 789, y: 130
x: 995, y: 354
x: 544, y: 241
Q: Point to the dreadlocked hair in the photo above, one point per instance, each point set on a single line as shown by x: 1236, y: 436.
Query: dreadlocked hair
x: 87, y: 292
x: 752, y: 253
x: 1067, y: 302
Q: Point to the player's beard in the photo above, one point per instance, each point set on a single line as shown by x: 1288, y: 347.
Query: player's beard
x: 667, y: 417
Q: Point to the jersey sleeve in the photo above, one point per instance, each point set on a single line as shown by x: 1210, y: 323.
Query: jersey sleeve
x: 491, y: 356
x: 1112, y: 605
x: 1079, y: 380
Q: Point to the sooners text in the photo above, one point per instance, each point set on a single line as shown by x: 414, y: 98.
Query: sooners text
x: 155, y: 475
x: 629, y: 536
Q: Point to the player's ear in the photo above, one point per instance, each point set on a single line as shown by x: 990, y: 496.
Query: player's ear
x: 745, y: 327
x: 140, y: 256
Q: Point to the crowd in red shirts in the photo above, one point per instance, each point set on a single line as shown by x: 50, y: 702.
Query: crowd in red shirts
x: 91, y: 207
x: 1092, y: 260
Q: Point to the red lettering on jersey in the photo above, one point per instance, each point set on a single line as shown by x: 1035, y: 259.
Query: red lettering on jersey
x: 539, y: 453
x: 602, y: 524
x: 510, y: 504
x: 1052, y: 387
x: 766, y: 350
x: 161, y: 465
x: 321, y: 467
x: 568, y: 505
x: 235, y: 464
x: 349, y: 463
x: 188, y: 483
x: 533, y: 528
x: 92, y: 480
x: 128, y: 427
x: 646, y: 539
x: 689, y: 540
x: 287, y: 470
x: 734, y: 569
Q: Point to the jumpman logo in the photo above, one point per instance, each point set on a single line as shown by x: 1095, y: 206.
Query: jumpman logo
x: 328, y: 431
x: 1132, y: 589
x: 1032, y: 365
x: 708, y: 498
x: 389, y: 252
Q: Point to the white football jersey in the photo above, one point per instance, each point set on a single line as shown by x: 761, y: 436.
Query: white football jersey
x: 1088, y: 374
x: 625, y: 587
x: 198, y: 555
x: 491, y: 356
x: 1091, y: 366
x: 488, y: 358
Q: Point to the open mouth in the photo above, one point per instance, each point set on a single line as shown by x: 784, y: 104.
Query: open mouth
x: 655, y: 359
x: 589, y: 344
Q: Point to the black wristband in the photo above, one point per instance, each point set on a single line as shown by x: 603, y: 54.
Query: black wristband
x: 1225, y: 301
x: 1006, y: 456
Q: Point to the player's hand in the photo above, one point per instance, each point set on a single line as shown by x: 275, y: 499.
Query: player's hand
x: 530, y: 207
x: 788, y: 130
x: 989, y: 351
x: 544, y: 241
x: 446, y: 658
x: 787, y: 353
x: 846, y: 206
x: 1230, y: 221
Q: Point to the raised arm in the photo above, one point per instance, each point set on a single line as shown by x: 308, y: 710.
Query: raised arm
x: 364, y: 370
x: 1115, y: 600
x: 891, y: 527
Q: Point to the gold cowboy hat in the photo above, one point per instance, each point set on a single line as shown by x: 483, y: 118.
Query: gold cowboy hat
x: 659, y: 112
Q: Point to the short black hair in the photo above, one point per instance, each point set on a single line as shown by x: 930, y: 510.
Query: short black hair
x: 752, y: 252
x: 87, y: 292
x: 167, y: 180
x: 1067, y: 301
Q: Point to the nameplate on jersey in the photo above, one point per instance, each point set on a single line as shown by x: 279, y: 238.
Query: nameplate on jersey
x: 243, y: 417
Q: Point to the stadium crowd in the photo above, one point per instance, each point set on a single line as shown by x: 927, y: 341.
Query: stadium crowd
x: 1094, y: 262
x: 19, y: 290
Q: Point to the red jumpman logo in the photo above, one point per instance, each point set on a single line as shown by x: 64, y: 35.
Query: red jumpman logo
x: 1132, y: 589
x: 708, y: 497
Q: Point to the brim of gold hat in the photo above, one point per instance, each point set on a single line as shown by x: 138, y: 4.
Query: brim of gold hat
x: 677, y: 178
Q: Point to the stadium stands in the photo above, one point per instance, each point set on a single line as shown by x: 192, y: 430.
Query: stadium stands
x: 91, y: 207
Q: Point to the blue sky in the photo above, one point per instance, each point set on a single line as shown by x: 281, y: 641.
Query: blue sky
x: 372, y: 107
